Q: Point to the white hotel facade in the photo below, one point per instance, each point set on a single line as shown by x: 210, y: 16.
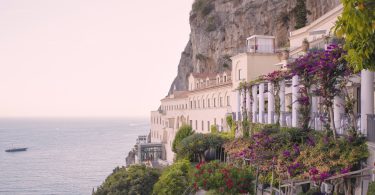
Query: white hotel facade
x: 211, y: 97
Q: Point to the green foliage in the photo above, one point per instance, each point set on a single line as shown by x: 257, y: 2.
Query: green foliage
x: 201, y: 57
x: 229, y: 135
x: 229, y: 120
x: 295, y: 154
x: 214, y: 129
x: 233, y: 147
x: 211, y: 24
x: 257, y: 127
x: 300, y: 12
x: 184, y: 131
x: 137, y: 179
x: 357, y: 25
x: 204, y: 7
x: 197, y: 144
x: 174, y: 179
x: 371, y: 188
x: 332, y: 156
x: 312, y: 191
x: 223, y: 178
x: 245, y: 128
x: 284, y: 18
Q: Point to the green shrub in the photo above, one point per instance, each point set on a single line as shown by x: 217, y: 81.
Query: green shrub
x: 211, y: 24
x: 201, y: 57
x: 197, y: 144
x: 174, y: 179
x: 137, y: 179
x: 184, y: 131
x: 223, y: 178
x: 371, y: 188
x: 245, y: 128
x: 204, y: 7
x: 229, y: 120
x: 214, y: 129
x: 300, y: 13
x: 257, y: 127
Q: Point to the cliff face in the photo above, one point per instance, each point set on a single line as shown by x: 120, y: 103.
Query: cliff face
x: 219, y: 29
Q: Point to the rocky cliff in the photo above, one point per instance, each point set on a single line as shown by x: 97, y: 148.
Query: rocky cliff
x: 219, y: 29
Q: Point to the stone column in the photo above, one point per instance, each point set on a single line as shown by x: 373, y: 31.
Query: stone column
x: 282, y: 103
x: 314, y: 106
x: 295, y: 104
x: 248, y: 102
x: 261, y: 102
x: 271, y: 104
x: 367, y: 97
x: 255, y: 102
x: 238, y: 110
x: 338, y: 109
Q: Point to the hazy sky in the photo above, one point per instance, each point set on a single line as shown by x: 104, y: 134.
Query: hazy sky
x: 89, y: 58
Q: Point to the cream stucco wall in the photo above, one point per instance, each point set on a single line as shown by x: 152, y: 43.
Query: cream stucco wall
x: 251, y: 66
x: 324, y: 23
x: 190, y: 108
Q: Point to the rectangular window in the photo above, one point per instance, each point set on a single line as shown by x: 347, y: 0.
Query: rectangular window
x: 196, y: 124
x: 208, y: 103
x: 221, y: 101
x: 208, y: 125
x: 239, y: 74
x: 203, y: 103
x: 228, y: 101
x: 202, y: 126
x: 214, y: 102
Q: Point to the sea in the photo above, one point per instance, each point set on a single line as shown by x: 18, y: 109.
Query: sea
x: 65, y: 155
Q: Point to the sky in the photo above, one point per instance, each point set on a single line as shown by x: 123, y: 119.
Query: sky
x: 89, y: 58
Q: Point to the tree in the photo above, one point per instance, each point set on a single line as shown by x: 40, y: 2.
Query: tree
x: 174, y: 179
x: 300, y: 12
x: 137, y: 179
x: 357, y: 24
x: 198, y: 143
x: 184, y: 131
x: 214, y: 129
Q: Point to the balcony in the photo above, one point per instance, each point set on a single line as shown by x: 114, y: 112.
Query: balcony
x: 214, y: 83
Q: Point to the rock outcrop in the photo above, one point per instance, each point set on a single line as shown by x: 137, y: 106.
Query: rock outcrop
x: 219, y: 29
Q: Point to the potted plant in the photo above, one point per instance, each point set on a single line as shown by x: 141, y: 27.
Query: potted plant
x: 305, y: 45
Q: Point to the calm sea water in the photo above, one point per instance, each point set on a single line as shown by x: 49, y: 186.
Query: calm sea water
x: 64, y: 156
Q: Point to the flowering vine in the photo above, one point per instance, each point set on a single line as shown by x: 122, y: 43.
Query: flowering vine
x: 305, y: 68
x: 330, y: 72
x: 275, y: 78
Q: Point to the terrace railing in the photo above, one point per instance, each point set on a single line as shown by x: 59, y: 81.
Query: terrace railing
x: 346, y: 124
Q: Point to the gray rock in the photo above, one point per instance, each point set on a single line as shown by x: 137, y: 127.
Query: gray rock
x: 219, y: 29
